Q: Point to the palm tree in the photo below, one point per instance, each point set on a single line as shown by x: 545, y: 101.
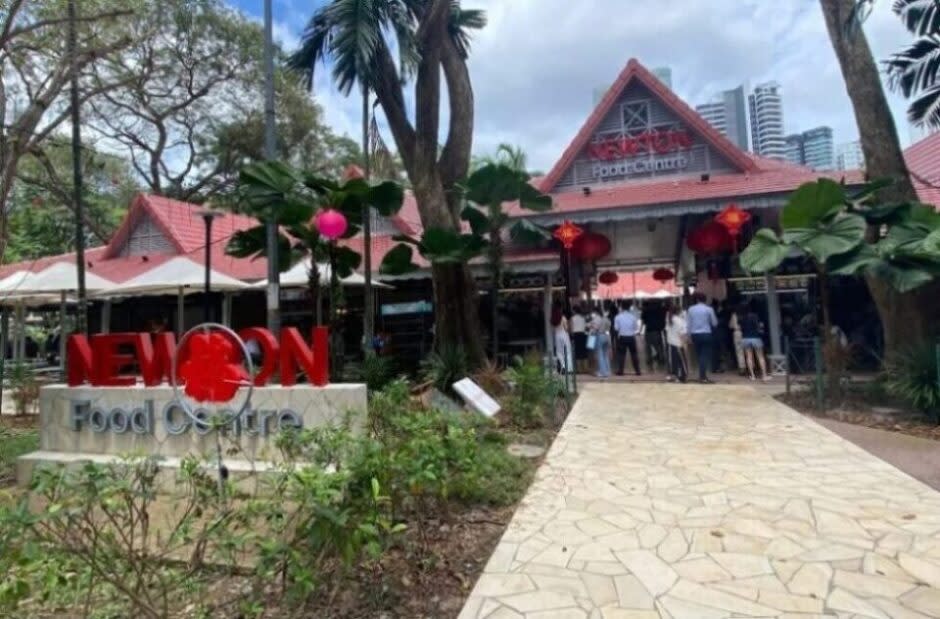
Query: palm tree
x: 357, y: 37
x: 906, y: 317
x: 914, y: 70
x: 505, y: 154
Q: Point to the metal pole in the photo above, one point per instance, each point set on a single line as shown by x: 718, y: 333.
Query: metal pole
x: 180, y: 313
x: 818, y: 361
x: 82, y: 326
x: 547, y: 312
x: 4, y: 340
x: 369, y: 305
x: 227, y: 309
x: 208, y: 216
x: 270, y: 153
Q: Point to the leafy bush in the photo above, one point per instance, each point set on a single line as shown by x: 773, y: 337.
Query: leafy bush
x: 534, y: 392
x: 24, y: 388
x: 491, y: 380
x: 912, y: 376
x: 13, y: 444
x: 99, y: 537
x: 445, y: 367
x: 375, y: 371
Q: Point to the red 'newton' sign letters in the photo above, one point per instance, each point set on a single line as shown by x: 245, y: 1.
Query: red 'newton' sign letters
x: 102, y: 360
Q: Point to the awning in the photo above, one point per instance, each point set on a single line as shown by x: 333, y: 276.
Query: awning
x: 173, y: 276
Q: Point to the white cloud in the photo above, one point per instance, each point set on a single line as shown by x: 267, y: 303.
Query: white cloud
x: 535, y: 66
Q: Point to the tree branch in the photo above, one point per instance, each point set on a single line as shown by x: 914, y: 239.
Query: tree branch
x: 455, y: 157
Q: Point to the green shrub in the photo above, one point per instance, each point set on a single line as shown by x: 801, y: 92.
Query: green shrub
x: 445, y: 367
x: 912, y: 377
x: 375, y: 371
x: 534, y: 392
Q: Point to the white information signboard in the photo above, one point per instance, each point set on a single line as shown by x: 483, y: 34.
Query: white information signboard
x: 476, y: 398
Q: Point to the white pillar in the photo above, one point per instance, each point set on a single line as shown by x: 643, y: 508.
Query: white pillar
x: 773, y: 314
x: 106, y: 316
x: 63, y: 334
x: 20, y: 354
x: 227, y: 309
x: 547, y: 311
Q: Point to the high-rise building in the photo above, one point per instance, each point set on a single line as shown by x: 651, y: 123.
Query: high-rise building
x: 766, y: 108
x: 728, y: 114
x: 849, y: 156
x: 811, y: 148
x: 818, y: 149
x: 793, y: 152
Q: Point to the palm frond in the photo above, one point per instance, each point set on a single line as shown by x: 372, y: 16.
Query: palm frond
x: 314, y: 47
x: 925, y: 110
x: 921, y: 17
x: 916, y: 67
x: 461, y: 22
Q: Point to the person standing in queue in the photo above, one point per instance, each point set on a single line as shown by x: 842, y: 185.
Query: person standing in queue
x: 702, y: 322
x: 626, y: 325
x: 599, y: 328
x: 675, y: 339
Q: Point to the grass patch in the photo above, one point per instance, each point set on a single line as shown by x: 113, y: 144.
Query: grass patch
x: 14, y: 442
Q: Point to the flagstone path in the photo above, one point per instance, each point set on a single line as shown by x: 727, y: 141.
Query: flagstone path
x: 707, y: 502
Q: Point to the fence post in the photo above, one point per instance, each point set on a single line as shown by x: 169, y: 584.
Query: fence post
x: 818, y: 362
x: 786, y: 354
x: 937, y: 352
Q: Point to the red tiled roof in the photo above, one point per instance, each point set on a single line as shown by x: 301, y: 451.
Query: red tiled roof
x: 636, y: 71
x: 923, y: 160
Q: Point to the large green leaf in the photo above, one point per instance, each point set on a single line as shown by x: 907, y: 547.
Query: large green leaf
x: 903, y: 278
x: 931, y: 244
x: 272, y: 176
x: 831, y: 238
x: 398, y: 261
x: 813, y: 203
x: 525, y: 231
x: 386, y: 198
x: 438, y: 244
x: 494, y: 184
x: 251, y: 243
x: 853, y: 262
x: 531, y: 199
x: 868, y: 191
x: 479, y: 222
x: 346, y: 261
x: 886, y: 213
x: 764, y: 253
x: 902, y: 238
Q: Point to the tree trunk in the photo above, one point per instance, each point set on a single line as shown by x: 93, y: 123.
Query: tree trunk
x: 496, y: 264
x: 830, y: 346
x: 905, y: 318
x: 456, y: 311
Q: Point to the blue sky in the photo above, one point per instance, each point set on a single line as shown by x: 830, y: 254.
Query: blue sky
x: 536, y: 65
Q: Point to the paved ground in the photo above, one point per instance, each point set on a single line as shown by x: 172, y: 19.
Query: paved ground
x: 710, y: 502
x: 918, y: 457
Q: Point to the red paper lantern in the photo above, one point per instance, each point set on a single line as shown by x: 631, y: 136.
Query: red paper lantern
x: 733, y: 219
x: 663, y: 275
x: 567, y: 233
x: 591, y: 247
x: 608, y: 278
x: 331, y: 223
x: 709, y: 238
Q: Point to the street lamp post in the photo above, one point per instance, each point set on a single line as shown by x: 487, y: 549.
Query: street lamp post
x: 207, y: 217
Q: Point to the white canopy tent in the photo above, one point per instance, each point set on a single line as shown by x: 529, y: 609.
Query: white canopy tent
x: 25, y: 288
x: 299, y: 276
x: 179, y: 276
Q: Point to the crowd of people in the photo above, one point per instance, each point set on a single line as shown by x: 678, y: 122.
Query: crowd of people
x: 597, y: 338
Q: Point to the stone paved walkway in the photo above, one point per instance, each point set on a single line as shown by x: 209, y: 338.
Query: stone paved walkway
x: 701, y: 502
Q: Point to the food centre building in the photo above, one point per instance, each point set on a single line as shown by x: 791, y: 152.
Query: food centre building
x: 644, y: 178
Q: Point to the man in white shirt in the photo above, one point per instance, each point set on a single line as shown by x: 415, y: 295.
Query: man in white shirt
x: 701, y: 322
x: 626, y: 325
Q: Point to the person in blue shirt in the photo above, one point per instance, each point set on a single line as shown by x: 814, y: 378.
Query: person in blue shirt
x: 626, y: 325
x: 702, y: 323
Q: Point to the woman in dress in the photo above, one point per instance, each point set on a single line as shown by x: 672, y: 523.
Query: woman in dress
x: 579, y: 338
x: 599, y: 329
x: 563, y: 352
x: 676, y: 333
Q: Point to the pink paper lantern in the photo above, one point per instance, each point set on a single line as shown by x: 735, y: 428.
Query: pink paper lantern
x: 331, y: 223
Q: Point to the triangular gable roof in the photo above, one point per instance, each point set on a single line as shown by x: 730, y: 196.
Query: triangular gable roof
x: 636, y: 71
x: 141, y: 208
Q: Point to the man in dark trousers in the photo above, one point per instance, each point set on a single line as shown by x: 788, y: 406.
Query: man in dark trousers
x: 626, y: 324
x: 654, y: 319
x: 701, y: 322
